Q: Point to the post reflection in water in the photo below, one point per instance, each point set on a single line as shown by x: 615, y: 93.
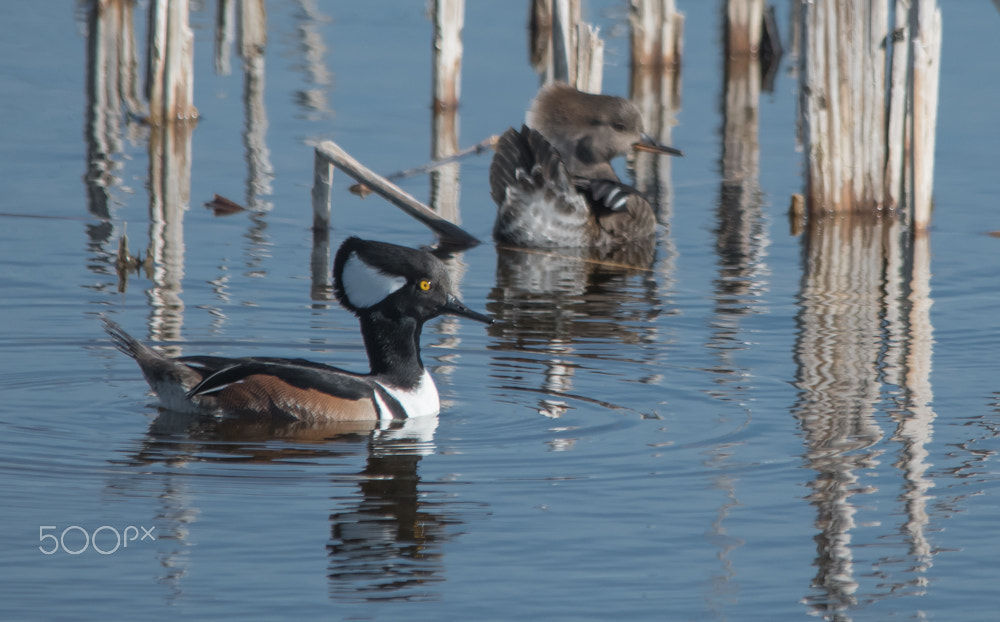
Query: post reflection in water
x: 741, y: 240
x: 169, y: 188
x: 112, y: 94
x: 251, y: 42
x: 112, y: 82
x: 248, y: 19
x: 864, y: 323
x: 313, y: 97
x: 385, y: 538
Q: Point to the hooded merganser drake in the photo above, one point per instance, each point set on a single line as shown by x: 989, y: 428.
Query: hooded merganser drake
x: 553, y: 181
x: 392, y: 290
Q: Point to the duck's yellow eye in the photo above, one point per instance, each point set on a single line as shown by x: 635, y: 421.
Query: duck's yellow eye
x: 425, y: 285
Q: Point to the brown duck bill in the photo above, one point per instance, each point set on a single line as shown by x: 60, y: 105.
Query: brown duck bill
x: 648, y: 143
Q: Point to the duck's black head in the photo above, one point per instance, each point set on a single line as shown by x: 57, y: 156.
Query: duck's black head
x: 395, y: 280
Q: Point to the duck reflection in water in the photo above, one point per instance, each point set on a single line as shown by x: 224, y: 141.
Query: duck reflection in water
x: 385, y: 535
x: 547, y: 302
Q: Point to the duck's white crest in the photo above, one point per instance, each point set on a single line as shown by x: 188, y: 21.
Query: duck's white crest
x: 365, y: 285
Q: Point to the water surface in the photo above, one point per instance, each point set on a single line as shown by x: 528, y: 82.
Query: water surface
x: 749, y: 426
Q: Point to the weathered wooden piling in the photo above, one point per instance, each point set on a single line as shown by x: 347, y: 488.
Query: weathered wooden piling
x: 741, y: 107
x: 449, y: 18
x: 170, y: 63
x: 657, y: 42
x: 744, y: 19
x: 869, y: 141
x: 925, y: 26
x: 565, y: 15
x: 741, y: 232
x: 320, y: 258
x: 563, y: 48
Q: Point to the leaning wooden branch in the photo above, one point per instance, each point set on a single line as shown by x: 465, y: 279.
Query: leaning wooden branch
x: 487, y: 143
x: 448, y: 232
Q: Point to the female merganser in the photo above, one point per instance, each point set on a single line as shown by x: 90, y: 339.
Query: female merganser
x: 553, y: 181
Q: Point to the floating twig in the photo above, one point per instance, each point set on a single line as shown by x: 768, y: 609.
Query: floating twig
x: 362, y: 190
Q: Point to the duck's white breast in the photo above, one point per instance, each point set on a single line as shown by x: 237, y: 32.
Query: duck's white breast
x: 421, y: 400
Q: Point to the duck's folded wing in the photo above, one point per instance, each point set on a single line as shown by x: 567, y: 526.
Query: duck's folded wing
x: 294, y: 389
x: 538, y: 201
x: 298, y: 373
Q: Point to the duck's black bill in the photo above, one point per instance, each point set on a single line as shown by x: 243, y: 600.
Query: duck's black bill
x: 648, y: 143
x: 454, y: 306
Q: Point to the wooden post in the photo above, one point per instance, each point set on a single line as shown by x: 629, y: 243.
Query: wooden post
x: 565, y: 14
x: 657, y: 41
x: 540, y: 36
x: 740, y: 154
x: 926, y: 30
x: 863, y: 137
x: 873, y: 96
x: 573, y: 52
x: 588, y: 59
x: 449, y: 19
x: 743, y: 29
x: 896, y: 138
x: 322, y: 184
x: 170, y: 57
x: 320, y: 259
x: 741, y: 234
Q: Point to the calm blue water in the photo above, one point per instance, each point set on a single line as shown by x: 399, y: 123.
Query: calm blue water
x: 753, y: 429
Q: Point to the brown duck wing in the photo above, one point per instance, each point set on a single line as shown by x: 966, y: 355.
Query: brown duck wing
x: 294, y: 389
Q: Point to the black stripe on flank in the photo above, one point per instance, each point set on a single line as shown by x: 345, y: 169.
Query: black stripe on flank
x: 395, y: 408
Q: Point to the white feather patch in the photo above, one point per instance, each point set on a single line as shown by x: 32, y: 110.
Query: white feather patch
x: 419, y: 401
x: 366, y: 286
